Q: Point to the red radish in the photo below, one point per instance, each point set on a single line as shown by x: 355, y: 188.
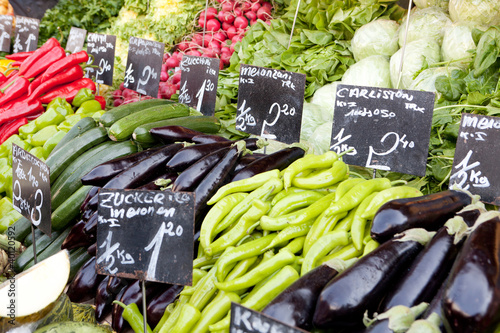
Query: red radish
x: 117, y: 102
x: 164, y: 68
x: 122, y: 86
x: 219, y: 36
x: 268, y: 22
x: 176, y: 77
x: 227, y: 6
x: 211, y: 13
x: 163, y: 76
x: 225, y: 58
x: 246, y: 6
x: 255, y: 7
x: 178, y: 86
x: 214, y: 44
x: 231, y: 32
x: 226, y: 26
x: 227, y: 17
x: 194, y: 53
x: 183, y: 46
x: 198, y: 39
x: 232, y: 47
x: 237, y: 11
x: 226, y: 50
x: 213, y: 25
x: 268, y: 5
x: 208, y: 38
x: 209, y: 53
x: 117, y: 93
x: 240, y: 22
x: 201, y: 22
x: 216, y: 50
x: 251, y: 16
x: 237, y: 38
x: 172, y: 62
x: 264, y: 13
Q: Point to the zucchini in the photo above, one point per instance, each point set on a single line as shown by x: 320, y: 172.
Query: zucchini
x: 53, y: 248
x: 60, y: 160
x: 41, y: 244
x: 123, y: 128
x: 80, y: 127
x: 74, y: 326
x: 69, y: 181
x: 69, y: 209
x: 29, y: 239
x: 22, y: 228
x: 205, y: 124
x: 110, y: 117
x: 77, y: 258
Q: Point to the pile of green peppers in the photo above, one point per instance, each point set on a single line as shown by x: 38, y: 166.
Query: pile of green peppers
x: 264, y: 232
x: 39, y: 137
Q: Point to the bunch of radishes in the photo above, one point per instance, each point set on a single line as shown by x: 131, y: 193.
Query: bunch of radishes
x: 226, y: 23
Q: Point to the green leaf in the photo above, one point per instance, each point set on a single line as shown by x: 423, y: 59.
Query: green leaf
x: 488, y: 50
x: 451, y: 87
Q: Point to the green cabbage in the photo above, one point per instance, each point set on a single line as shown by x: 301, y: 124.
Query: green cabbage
x: 477, y: 12
x: 378, y: 37
x: 373, y: 71
x: 429, y: 3
x: 426, y: 80
x: 425, y: 23
x: 457, y: 41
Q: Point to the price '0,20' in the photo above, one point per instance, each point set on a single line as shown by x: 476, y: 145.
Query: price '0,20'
x: 397, y: 141
x: 155, y: 244
x: 280, y: 110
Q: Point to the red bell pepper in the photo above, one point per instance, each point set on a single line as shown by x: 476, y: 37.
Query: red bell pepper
x: 65, y: 63
x: 44, y: 62
x: 68, y: 91
x: 101, y: 101
x: 13, y: 90
x: 72, y: 74
x: 11, y: 128
x: 38, y: 54
x: 19, y: 56
x: 21, y: 107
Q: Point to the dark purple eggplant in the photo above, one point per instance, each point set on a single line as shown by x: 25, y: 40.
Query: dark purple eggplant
x: 171, y: 134
x: 471, y: 212
x: 158, y: 304
x: 92, y: 250
x: 76, y: 237
x: 85, y: 204
x: 103, y: 173
x: 435, y: 306
x: 216, y: 177
x: 430, y: 268
x: 277, y: 160
x: 208, y: 138
x: 244, y: 161
x: 151, y: 186
x: 295, y: 305
x: 90, y: 227
x: 145, y: 170
x: 103, y: 300
x: 194, y: 174
x: 190, y: 154
x: 471, y: 301
x: 116, y: 283
x: 429, y: 212
x: 361, y: 287
x: 84, y: 285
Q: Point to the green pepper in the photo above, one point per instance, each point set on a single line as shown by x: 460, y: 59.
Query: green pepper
x: 198, y: 274
x: 40, y: 137
x: 38, y: 152
x: 61, y: 106
x: 359, y: 223
x: 28, y: 129
x: 97, y: 115
x: 6, y: 151
x: 389, y: 194
x: 370, y: 246
x: 9, y: 216
x: 215, y: 311
x: 347, y: 252
x: 285, y: 193
x: 89, y: 106
x: 289, y: 233
x: 293, y: 202
x: 321, y: 248
x: 133, y: 316
x: 345, y: 186
x: 188, y: 317
x: 82, y: 95
x: 4, y: 171
x: 51, y: 143
x: 323, y: 177
x: 49, y: 117
x: 321, y: 226
x: 311, y: 161
x: 164, y: 326
x: 71, y: 121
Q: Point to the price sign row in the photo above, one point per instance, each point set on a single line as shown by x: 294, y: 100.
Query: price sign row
x: 25, y: 34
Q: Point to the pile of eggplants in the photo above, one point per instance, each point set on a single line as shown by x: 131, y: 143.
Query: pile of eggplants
x: 192, y: 162
x: 453, y: 268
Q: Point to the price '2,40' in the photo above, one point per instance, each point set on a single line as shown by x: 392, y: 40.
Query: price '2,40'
x: 148, y: 73
x: 155, y: 244
x: 397, y: 141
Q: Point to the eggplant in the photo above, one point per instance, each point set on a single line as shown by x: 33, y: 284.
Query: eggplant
x: 396, y: 319
x: 151, y: 186
x: 435, y: 308
x: 103, y: 173
x: 171, y: 134
x: 90, y: 228
x: 471, y: 212
x: 278, y: 160
x: 85, y: 204
x: 430, y: 268
x: 471, y: 301
x: 246, y: 160
x: 103, y: 300
x: 190, y: 154
x: 76, y: 237
x: 429, y: 212
x: 361, y: 287
x: 116, y: 283
x: 194, y: 174
x: 158, y: 304
x: 145, y: 170
x: 216, y: 177
x: 208, y: 138
x: 92, y: 250
x: 295, y: 305
x: 84, y: 284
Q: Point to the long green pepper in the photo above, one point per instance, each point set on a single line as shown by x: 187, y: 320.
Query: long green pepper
x: 294, y: 201
x: 323, y: 178
x: 310, y: 161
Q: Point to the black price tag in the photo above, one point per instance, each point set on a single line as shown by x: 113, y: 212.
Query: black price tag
x: 31, y: 188
x: 385, y: 129
x: 26, y: 36
x: 76, y: 39
x: 102, y: 48
x: 476, y: 156
x: 199, y: 77
x: 270, y: 103
x: 5, y: 32
x: 245, y: 320
x: 146, y: 235
x: 143, y: 69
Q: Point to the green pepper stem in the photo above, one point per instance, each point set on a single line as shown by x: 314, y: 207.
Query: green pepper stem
x: 345, y: 152
x: 356, y: 174
x: 123, y: 305
x: 399, y: 181
x: 8, y: 86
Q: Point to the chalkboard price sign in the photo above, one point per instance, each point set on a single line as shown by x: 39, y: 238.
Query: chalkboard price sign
x: 245, y: 320
x: 385, y: 129
x: 146, y: 235
x: 199, y: 77
x: 270, y: 103
x: 102, y: 48
x: 26, y: 38
x: 5, y: 32
x: 31, y: 188
x: 76, y: 39
x: 475, y: 166
x: 142, y: 73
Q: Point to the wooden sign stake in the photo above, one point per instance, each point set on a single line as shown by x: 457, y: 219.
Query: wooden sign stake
x: 144, y: 306
x: 293, y: 24
x: 404, y: 45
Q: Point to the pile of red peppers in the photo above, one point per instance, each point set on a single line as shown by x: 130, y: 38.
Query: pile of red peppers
x: 38, y: 78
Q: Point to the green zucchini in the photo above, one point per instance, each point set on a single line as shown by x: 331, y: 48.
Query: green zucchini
x: 69, y: 209
x: 40, y: 244
x: 123, y: 128
x: 205, y: 124
x: 74, y: 326
x: 77, y: 257
x: 82, y: 126
x: 84, y: 313
x: 22, y: 228
x: 53, y: 248
x: 69, y: 181
x: 110, y: 117
x: 60, y: 160
x: 29, y: 239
